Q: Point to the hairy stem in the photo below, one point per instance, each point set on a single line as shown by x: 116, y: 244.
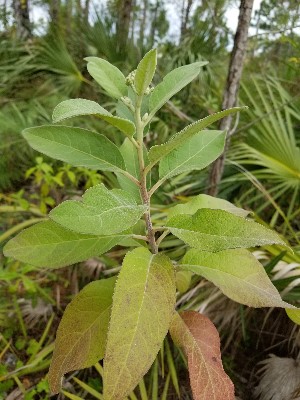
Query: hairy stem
x: 143, y: 178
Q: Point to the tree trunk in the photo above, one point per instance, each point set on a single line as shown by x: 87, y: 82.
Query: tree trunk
x: 21, y: 16
x: 154, y: 24
x: 232, y: 87
x: 185, y: 18
x: 123, y: 23
x: 54, y: 8
x: 86, y: 12
x: 143, y: 23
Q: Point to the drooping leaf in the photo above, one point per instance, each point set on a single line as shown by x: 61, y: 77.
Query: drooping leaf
x: 200, y: 341
x: 195, y: 154
x: 81, y: 335
x: 217, y: 230
x: 76, y: 146
x: 108, y: 76
x: 101, y: 212
x: 205, y: 201
x: 145, y: 72
x: 48, y: 244
x: 143, y: 305
x: 160, y: 151
x: 77, y: 107
x: 237, y: 273
x: 172, y: 83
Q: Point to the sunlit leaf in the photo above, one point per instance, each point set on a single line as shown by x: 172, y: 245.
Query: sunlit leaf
x: 81, y: 335
x: 48, y: 244
x: 195, y: 154
x: 76, y: 146
x: 159, y: 151
x: 237, y: 273
x: 200, y: 341
x: 108, y: 76
x: 205, y: 201
x: 217, y: 230
x: 145, y: 72
x: 143, y: 305
x: 77, y: 107
x: 101, y: 212
x: 172, y: 83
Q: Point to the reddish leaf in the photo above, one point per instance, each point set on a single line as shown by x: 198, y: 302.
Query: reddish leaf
x: 199, y: 339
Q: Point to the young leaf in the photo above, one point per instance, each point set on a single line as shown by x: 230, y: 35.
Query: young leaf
x: 293, y: 314
x: 143, y: 305
x: 47, y: 244
x: 130, y: 157
x: 76, y: 146
x: 145, y: 72
x: 237, y: 273
x: 77, y: 107
x: 217, y: 230
x: 81, y: 335
x: 160, y: 151
x: 101, y: 212
x: 108, y: 76
x: 205, y: 201
x: 195, y: 154
x: 172, y: 83
x: 200, y: 341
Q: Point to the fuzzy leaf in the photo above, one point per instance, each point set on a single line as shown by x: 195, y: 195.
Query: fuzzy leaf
x: 172, y: 83
x: 200, y: 341
x: 47, y: 244
x: 76, y: 146
x: 217, y: 230
x: 195, y: 154
x: 130, y: 156
x: 81, y: 335
x: 205, y: 201
x: 77, y: 107
x: 160, y: 151
x: 143, y: 305
x: 145, y: 72
x: 108, y: 76
x: 101, y: 212
x: 237, y: 273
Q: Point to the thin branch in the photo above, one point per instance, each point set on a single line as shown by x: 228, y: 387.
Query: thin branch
x: 162, y: 236
x: 129, y: 176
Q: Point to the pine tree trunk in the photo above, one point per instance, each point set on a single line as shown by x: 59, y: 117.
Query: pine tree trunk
x: 185, y: 18
x: 54, y: 7
x: 123, y: 23
x: 232, y: 87
x: 21, y: 16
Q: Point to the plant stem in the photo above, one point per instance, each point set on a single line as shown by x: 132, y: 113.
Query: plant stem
x: 143, y: 179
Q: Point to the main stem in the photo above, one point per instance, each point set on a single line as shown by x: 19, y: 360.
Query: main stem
x: 143, y: 180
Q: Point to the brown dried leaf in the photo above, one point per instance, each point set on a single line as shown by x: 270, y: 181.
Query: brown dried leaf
x: 200, y: 341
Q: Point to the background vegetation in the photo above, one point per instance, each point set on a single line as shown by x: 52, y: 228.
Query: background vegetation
x: 41, y: 64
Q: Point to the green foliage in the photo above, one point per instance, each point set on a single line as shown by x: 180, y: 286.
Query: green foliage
x: 101, y: 212
x: 217, y: 230
x: 143, y: 302
x: 80, y: 343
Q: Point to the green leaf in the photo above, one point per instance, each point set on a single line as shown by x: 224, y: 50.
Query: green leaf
x: 77, y: 107
x: 294, y: 314
x: 47, y: 244
x: 143, y: 305
x: 237, y: 273
x: 160, y: 151
x: 81, y: 335
x: 101, y: 212
x: 205, y: 201
x: 217, y: 230
x: 183, y: 281
x: 108, y: 76
x: 195, y: 154
x: 200, y: 341
x: 145, y: 72
x: 130, y: 156
x: 172, y: 83
x: 76, y: 146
